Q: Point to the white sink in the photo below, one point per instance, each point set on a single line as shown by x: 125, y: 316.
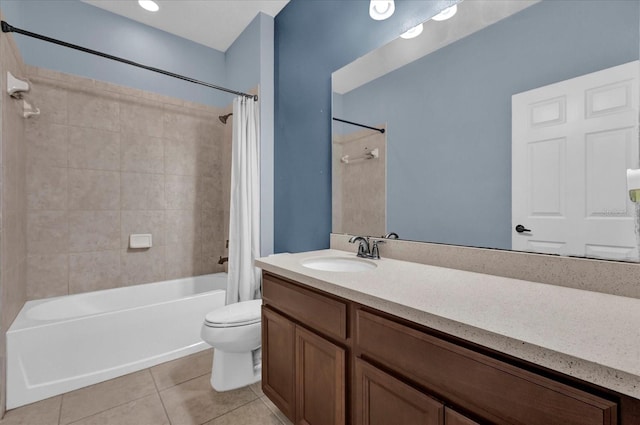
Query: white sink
x: 338, y: 264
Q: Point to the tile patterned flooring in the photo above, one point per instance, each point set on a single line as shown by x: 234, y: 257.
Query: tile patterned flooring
x: 172, y: 393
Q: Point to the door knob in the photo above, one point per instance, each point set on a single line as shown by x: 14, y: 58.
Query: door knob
x: 521, y: 229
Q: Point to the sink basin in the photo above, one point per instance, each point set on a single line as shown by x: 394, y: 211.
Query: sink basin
x: 338, y: 264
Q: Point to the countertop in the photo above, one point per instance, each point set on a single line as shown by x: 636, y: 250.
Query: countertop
x: 589, y: 335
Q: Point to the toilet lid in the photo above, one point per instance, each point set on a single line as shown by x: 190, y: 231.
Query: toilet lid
x: 238, y: 314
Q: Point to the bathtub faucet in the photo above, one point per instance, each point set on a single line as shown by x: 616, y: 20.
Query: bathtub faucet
x: 223, y: 260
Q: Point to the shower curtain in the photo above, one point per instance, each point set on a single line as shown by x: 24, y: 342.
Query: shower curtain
x: 244, y: 223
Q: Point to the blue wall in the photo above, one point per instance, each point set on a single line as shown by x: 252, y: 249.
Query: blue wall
x: 449, y: 114
x: 85, y: 25
x: 313, y: 39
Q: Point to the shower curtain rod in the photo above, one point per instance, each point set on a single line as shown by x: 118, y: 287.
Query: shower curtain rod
x: 8, y: 28
x: 381, y: 130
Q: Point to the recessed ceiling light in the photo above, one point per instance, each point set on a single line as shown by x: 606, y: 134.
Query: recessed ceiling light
x: 413, y: 32
x: 446, y: 14
x: 381, y: 9
x: 149, y: 5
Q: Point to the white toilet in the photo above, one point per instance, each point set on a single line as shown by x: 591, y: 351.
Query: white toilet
x: 234, y: 331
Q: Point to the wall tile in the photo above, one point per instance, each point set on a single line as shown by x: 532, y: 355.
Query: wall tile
x: 94, y: 190
x: 178, y: 125
x: 94, y: 149
x: 142, y: 265
x: 140, y: 116
x: 142, y: 222
x: 106, y: 161
x: 46, y: 188
x: 47, y: 276
x: 182, y: 227
x: 93, y: 271
x: 180, y: 192
x: 209, y: 193
x: 182, y: 260
x: 94, y: 110
x: 47, y: 232
x: 142, y: 191
x: 141, y: 154
x: 209, y: 161
x: 51, y: 99
x: 181, y: 156
x: 47, y: 143
x: 94, y: 230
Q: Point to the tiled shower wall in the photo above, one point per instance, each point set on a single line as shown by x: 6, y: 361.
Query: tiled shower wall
x: 359, y: 188
x: 105, y: 161
x: 13, y: 201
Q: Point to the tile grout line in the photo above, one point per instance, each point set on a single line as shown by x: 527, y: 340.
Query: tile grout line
x: 228, y: 412
x: 271, y: 410
x: 164, y: 408
x: 60, y: 409
x: 112, y: 407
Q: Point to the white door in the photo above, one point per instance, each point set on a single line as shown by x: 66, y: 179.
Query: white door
x: 571, y: 145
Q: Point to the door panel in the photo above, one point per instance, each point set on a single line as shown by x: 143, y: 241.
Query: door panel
x: 572, y: 143
x: 320, y: 380
x: 278, y: 370
x: 382, y: 400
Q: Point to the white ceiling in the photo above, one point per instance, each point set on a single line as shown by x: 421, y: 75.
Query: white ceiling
x: 214, y: 23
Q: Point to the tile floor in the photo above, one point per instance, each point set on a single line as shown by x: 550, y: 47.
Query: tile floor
x: 172, y: 393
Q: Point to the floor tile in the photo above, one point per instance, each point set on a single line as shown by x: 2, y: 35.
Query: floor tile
x: 257, y: 388
x: 254, y: 413
x: 105, y: 395
x: 45, y: 412
x: 195, y: 402
x: 183, y: 369
x: 144, y: 411
x: 275, y: 410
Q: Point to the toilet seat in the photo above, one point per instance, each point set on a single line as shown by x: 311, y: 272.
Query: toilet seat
x: 234, y: 315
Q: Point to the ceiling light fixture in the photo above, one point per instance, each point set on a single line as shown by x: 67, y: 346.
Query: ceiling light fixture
x: 149, y: 5
x: 446, y: 14
x: 413, y: 32
x: 381, y: 9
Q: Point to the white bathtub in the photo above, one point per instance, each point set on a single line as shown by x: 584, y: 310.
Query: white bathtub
x: 65, y: 343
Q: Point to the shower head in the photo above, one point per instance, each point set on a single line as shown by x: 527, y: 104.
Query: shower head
x: 223, y: 118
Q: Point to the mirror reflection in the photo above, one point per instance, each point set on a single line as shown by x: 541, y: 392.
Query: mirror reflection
x: 510, y: 126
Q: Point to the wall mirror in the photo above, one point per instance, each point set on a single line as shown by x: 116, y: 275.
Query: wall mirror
x: 510, y: 125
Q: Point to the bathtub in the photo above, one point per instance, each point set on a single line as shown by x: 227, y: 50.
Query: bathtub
x: 61, y: 344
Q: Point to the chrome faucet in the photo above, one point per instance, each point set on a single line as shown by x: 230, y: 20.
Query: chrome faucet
x: 364, y: 249
x: 392, y: 235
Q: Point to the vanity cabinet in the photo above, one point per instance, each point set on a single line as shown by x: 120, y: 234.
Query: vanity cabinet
x: 328, y: 361
x: 303, y: 370
x: 382, y: 399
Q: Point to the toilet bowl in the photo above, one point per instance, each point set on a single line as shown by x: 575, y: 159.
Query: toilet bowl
x: 234, y: 331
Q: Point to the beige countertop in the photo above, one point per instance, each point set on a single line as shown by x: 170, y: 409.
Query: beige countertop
x: 588, y: 335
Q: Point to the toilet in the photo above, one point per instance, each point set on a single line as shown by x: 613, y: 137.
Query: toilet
x: 234, y: 331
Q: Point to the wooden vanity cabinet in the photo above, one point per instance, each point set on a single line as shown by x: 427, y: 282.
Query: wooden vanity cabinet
x: 330, y: 361
x: 381, y: 399
x: 303, y: 371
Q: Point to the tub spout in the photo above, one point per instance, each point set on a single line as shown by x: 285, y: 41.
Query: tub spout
x: 223, y: 260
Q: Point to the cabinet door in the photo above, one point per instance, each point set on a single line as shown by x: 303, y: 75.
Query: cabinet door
x: 382, y: 400
x: 320, y: 380
x: 278, y: 367
x: 451, y: 417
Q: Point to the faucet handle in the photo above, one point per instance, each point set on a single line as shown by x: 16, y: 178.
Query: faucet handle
x: 375, y: 252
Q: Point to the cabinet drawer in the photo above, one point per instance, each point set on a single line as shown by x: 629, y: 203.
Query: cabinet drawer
x: 324, y: 314
x: 492, y: 389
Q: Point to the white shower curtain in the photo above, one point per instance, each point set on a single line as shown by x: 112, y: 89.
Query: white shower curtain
x: 244, y: 223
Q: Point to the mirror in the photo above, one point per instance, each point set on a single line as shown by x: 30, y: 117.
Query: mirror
x: 509, y: 113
